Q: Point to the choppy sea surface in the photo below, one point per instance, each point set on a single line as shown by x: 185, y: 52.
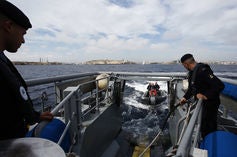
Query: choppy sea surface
x: 39, y: 71
x: 140, y: 120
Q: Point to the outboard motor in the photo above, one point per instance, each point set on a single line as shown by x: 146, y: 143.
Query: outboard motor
x: 152, y: 100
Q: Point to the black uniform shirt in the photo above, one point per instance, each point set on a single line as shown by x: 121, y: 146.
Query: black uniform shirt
x: 205, y: 83
x: 16, y: 106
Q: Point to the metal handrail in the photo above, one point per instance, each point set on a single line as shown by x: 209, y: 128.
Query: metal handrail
x: 67, y: 99
x: 34, y: 82
x: 66, y: 129
x: 185, y: 144
x: 231, y: 81
x: 91, y: 109
x: 187, y: 118
x: 179, y: 125
x: 151, y: 74
x: 62, y: 103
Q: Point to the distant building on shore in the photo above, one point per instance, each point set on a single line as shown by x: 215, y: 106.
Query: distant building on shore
x: 107, y: 61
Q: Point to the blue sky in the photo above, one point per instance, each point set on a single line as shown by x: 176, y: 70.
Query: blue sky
x: 136, y: 30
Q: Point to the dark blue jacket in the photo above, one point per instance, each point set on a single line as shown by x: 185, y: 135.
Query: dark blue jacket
x: 16, y: 109
x: 205, y: 82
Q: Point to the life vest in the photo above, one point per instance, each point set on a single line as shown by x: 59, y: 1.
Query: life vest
x: 152, y: 92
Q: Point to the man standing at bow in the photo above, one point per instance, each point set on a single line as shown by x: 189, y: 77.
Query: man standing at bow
x: 16, y: 112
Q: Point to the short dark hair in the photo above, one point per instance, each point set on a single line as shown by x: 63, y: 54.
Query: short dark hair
x: 15, y: 14
x: 186, y: 57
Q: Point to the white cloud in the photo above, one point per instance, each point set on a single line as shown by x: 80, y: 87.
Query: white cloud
x: 79, y: 30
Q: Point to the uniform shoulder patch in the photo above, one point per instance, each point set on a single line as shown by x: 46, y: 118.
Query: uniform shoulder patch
x: 204, y: 68
x: 23, y: 93
x: 211, y: 76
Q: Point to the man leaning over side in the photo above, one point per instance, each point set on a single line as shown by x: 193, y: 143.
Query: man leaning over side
x: 203, y: 84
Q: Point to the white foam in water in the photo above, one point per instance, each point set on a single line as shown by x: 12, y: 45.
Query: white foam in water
x: 143, y: 87
x: 135, y: 103
x: 137, y: 86
x: 142, y: 129
x: 163, y: 85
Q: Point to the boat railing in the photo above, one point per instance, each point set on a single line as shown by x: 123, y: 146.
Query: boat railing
x: 46, y: 90
x: 183, y: 120
x: 190, y: 137
x: 230, y: 88
x: 149, y: 76
x: 73, y: 99
x: 74, y: 114
x: 34, y: 82
x: 229, y: 97
x: 59, y: 80
x: 231, y: 81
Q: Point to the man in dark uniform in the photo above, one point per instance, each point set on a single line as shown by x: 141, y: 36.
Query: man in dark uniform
x: 16, y: 109
x: 149, y: 86
x: 157, y: 87
x: 203, y: 84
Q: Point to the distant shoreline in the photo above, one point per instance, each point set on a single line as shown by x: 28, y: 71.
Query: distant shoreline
x: 36, y: 63
x: 113, y: 62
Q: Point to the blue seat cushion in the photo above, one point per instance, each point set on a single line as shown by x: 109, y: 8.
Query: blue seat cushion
x: 220, y: 144
x: 53, y: 131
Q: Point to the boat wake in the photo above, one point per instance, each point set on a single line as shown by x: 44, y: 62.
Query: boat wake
x: 142, y: 122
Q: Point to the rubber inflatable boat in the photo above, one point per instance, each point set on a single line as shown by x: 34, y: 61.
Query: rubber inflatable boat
x: 153, y: 97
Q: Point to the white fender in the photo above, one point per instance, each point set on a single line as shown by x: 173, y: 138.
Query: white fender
x: 102, y: 83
